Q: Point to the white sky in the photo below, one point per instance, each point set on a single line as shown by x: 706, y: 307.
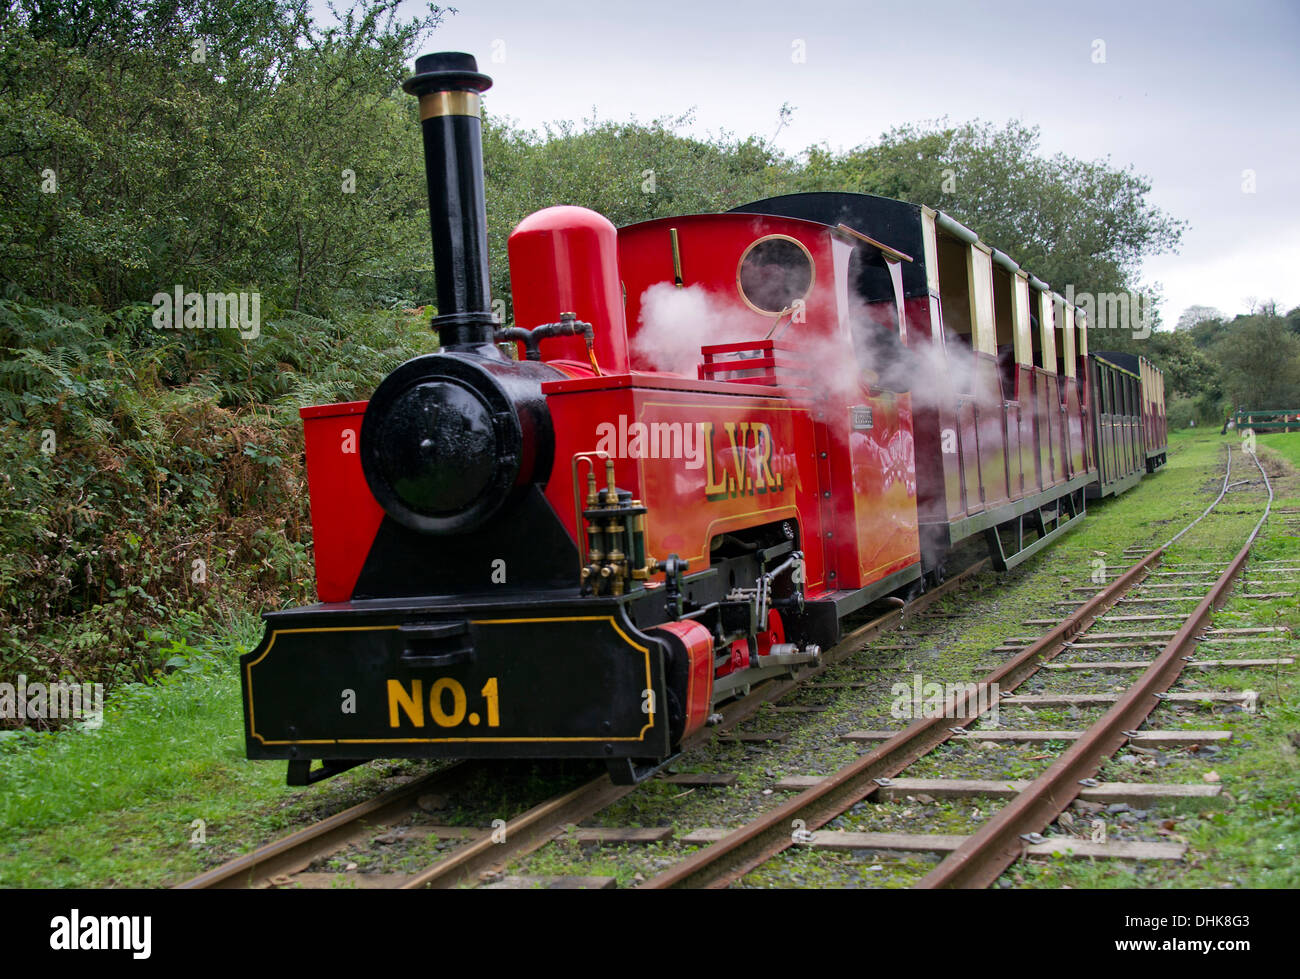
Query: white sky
x: 1191, y: 94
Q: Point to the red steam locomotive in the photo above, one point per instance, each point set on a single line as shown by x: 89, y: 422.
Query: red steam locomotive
x: 718, y: 436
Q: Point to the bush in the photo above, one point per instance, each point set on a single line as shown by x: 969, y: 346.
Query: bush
x: 146, y: 475
x: 1179, y: 412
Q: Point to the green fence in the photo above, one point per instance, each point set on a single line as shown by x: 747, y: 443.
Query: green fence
x: 1268, y: 421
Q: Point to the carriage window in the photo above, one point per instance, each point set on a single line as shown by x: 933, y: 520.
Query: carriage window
x: 875, y: 304
x: 873, y: 315
x: 1005, y: 329
x: 1004, y: 322
x: 1043, y: 334
x: 774, y: 273
x: 1065, y: 339
x: 869, y: 270
x: 954, y: 290
x: 1035, y: 330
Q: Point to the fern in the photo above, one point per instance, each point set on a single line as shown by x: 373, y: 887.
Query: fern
x: 171, y: 446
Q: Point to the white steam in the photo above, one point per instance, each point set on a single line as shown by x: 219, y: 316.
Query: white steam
x: 934, y: 374
x: 676, y: 323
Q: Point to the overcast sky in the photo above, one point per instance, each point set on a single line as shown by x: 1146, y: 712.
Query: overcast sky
x: 1192, y: 94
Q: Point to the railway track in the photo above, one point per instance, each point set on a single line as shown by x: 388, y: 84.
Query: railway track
x: 977, y: 860
x: 283, y: 861
x: 729, y: 855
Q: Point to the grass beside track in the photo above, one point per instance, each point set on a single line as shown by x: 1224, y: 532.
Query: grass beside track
x: 161, y: 791
x: 1285, y: 444
x: 117, y: 807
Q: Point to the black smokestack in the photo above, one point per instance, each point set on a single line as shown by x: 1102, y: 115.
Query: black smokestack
x: 448, y: 85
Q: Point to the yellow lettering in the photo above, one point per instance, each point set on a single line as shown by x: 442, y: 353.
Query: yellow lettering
x: 738, y: 452
x: 712, y: 489
x: 412, y: 704
x: 493, y: 705
x: 748, y: 475
x: 763, y: 436
x: 440, y: 717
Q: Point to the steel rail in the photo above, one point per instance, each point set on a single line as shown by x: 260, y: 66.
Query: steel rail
x: 1218, y: 499
x: 984, y: 855
x: 739, y: 852
x: 529, y: 830
x: 297, y: 850
x: 538, y: 826
x: 727, y: 860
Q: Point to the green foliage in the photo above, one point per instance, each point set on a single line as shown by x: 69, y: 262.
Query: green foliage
x: 1188, y: 369
x: 126, y: 457
x: 628, y: 172
x: 1208, y: 332
x: 145, y: 143
x: 1259, y: 359
x: 1181, y: 411
x: 1246, y: 362
x: 1069, y: 221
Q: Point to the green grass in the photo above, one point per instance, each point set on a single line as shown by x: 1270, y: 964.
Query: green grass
x: 117, y: 806
x: 1285, y: 444
x: 1250, y: 836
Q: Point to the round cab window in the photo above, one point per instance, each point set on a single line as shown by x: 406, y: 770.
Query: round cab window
x: 774, y: 273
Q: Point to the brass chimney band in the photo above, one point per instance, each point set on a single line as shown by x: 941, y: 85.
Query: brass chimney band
x: 434, y: 104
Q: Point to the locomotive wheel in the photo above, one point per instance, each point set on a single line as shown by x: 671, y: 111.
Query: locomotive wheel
x: 775, y: 633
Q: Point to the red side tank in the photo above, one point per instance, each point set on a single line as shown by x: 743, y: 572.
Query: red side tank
x: 565, y: 260
x: 345, y: 516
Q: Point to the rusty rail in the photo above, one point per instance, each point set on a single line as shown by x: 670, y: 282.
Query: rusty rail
x: 526, y: 832
x: 736, y: 854
x: 297, y: 850
x: 983, y: 856
x: 541, y: 824
x: 748, y: 847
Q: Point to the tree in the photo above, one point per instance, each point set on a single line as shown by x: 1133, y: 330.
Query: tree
x: 1067, y: 220
x: 1207, y: 333
x: 1260, y: 362
x: 146, y: 143
x: 1193, y: 315
x: 1189, y: 371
